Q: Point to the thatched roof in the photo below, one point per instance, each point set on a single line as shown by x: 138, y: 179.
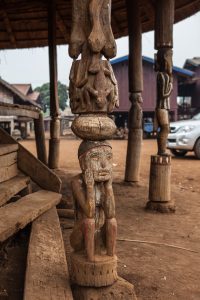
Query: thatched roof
x: 23, y: 23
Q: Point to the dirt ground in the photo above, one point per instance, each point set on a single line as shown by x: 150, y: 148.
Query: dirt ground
x: 157, y: 272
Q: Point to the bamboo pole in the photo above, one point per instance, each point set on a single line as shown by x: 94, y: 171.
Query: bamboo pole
x: 54, y: 143
x: 135, y: 89
x: 40, y: 139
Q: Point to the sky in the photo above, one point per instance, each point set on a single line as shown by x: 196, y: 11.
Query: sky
x: 31, y: 65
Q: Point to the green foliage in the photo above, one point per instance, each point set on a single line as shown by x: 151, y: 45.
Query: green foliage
x: 45, y: 95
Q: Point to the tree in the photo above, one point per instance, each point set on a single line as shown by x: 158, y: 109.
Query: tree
x: 44, y: 91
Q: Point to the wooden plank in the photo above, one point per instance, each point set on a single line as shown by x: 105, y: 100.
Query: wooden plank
x: 18, y: 110
x: 32, y: 167
x: 11, y: 187
x: 7, y: 148
x: 8, y: 159
x: 17, y: 215
x: 7, y: 173
x: 38, y: 172
x: 47, y: 274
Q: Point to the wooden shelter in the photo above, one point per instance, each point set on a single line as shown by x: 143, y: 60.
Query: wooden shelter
x: 24, y: 23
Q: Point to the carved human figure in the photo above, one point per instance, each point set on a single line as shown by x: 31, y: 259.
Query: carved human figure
x: 95, y: 224
x: 135, y: 120
x: 164, y: 89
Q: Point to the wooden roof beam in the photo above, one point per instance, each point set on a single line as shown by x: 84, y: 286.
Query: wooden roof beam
x: 9, y: 28
x: 61, y: 25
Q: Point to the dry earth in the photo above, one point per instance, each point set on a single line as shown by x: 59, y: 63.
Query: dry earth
x: 158, y: 272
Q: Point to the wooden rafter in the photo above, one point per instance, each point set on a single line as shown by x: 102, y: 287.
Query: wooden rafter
x: 9, y: 28
x: 62, y: 27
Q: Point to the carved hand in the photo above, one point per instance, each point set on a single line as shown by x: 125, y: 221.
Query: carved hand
x: 90, y: 194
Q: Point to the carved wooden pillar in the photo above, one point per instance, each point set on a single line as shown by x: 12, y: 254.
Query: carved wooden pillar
x: 93, y: 94
x: 135, y: 90
x: 54, y: 142
x: 160, y: 171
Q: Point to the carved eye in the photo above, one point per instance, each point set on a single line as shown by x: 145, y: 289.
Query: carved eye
x: 109, y: 156
x: 94, y: 156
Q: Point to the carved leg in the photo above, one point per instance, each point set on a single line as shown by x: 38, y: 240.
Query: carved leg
x: 111, y: 234
x: 89, y: 230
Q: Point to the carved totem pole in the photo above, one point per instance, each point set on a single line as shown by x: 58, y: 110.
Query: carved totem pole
x: 160, y: 171
x: 93, y: 94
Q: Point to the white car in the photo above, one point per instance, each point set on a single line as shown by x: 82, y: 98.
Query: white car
x: 184, y: 136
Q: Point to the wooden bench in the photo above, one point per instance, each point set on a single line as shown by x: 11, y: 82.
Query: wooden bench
x: 47, y: 272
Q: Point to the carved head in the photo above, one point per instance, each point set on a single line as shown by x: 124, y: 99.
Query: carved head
x: 163, y: 61
x: 95, y: 157
x: 135, y: 98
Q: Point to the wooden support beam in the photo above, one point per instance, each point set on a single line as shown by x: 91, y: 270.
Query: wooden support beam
x: 135, y: 89
x: 7, y: 109
x: 40, y: 139
x: 164, y: 21
x: 54, y: 142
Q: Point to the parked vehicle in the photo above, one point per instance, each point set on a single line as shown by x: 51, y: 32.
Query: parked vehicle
x: 184, y: 136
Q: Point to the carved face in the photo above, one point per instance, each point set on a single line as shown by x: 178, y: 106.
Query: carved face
x: 98, y: 162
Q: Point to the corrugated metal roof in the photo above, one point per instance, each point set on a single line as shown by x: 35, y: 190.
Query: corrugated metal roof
x: 181, y: 71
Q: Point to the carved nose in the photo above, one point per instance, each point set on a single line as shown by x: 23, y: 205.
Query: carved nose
x: 103, y: 163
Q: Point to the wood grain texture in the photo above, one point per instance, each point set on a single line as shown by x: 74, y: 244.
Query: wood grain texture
x: 47, y: 272
x: 7, y: 148
x: 8, y: 159
x: 17, y: 215
x: 12, y: 187
x: 32, y: 167
x: 7, y: 173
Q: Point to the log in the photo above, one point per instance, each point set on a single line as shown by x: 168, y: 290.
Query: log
x: 7, y: 173
x: 40, y: 139
x: 11, y: 187
x: 66, y: 213
x: 135, y: 88
x: 133, y: 156
x: 164, y: 20
x: 47, y: 274
x: 160, y: 184
x: 17, y: 215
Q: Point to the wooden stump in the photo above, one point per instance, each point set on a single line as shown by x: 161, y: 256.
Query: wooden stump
x: 101, y: 272
x: 120, y: 290
x: 159, y: 184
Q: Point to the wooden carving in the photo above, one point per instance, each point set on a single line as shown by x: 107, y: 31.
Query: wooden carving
x: 93, y: 87
x: 93, y: 93
x: 164, y: 89
x: 95, y: 225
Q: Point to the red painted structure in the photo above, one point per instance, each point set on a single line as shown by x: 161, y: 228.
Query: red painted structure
x: 120, y: 67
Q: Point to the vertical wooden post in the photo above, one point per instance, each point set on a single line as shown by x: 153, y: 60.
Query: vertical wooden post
x: 40, y: 139
x: 160, y: 171
x: 135, y: 89
x: 54, y: 143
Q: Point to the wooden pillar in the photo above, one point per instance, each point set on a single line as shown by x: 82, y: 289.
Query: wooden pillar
x: 40, y: 139
x: 54, y: 143
x: 160, y: 170
x: 135, y: 89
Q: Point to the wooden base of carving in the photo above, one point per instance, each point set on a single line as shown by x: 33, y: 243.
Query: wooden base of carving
x: 133, y: 155
x: 160, y: 184
x: 102, y: 272
x: 120, y: 290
